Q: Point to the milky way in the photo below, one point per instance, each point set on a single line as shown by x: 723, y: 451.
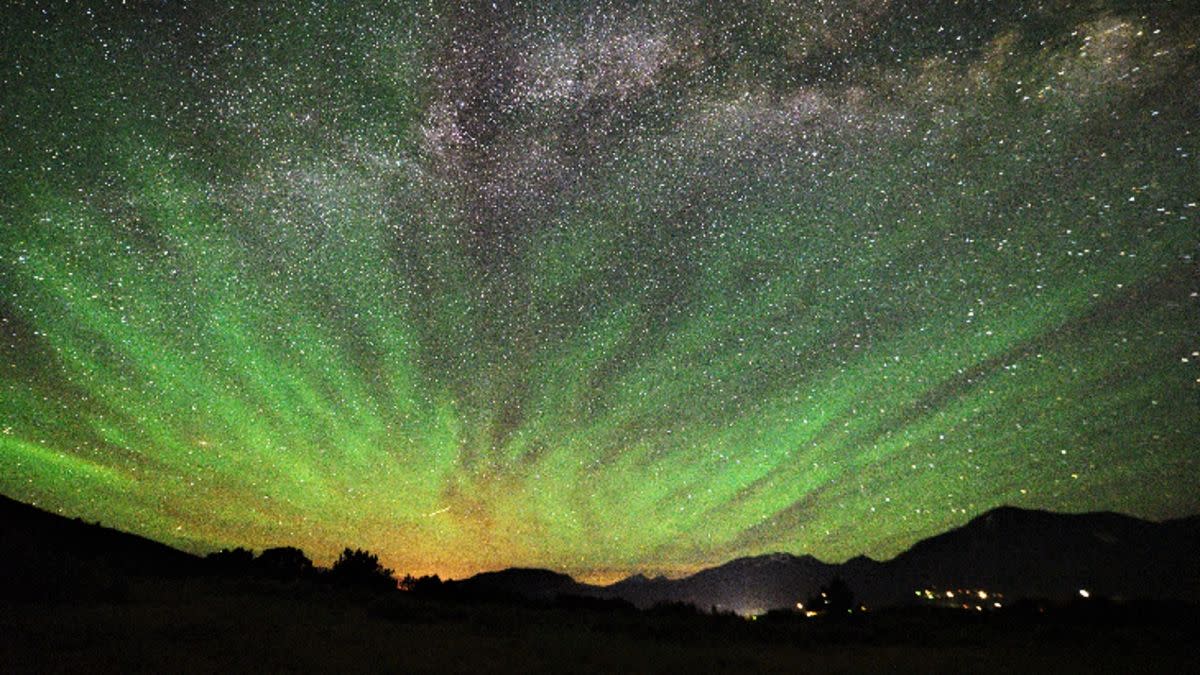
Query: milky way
x: 602, y: 288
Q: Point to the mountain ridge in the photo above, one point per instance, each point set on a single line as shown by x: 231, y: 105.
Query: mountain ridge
x: 1019, y: 552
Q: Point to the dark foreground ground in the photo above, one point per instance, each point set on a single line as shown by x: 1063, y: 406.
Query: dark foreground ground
x: 218, y: 625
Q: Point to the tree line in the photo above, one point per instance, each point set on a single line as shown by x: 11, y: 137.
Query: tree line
x: 357, y: 568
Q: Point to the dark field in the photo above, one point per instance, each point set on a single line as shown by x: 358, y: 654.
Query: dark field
x: 224, y: 626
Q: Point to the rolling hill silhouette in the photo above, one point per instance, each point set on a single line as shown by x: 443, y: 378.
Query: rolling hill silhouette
x: 520, y: 582
x: 43, y: 554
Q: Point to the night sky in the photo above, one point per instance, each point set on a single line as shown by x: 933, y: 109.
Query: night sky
x: 603, y: 287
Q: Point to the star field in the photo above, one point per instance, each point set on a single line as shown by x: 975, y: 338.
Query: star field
x: 601, y: 287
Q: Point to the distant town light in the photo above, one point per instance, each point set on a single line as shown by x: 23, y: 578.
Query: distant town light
x: 1084, y: 593
x: 982, y: 595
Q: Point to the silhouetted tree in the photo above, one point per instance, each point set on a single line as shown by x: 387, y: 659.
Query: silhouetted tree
x: 284, y: 562
x: 362, y: 569
x: 225, y: 561
x: 834, y: 598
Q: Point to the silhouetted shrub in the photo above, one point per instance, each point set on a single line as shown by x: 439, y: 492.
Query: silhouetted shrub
x: 426, y: 585
x: 675, y: 608
x: 361, y: 569
x: 284, y: 562
x: 230, y: 562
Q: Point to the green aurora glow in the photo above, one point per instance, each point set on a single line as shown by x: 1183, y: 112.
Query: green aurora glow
x: 643, y: 287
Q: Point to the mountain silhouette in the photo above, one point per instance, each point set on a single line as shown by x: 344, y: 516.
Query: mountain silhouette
x: 1017, y: 552
x: 1039, y: 553
x: 747, y: 585
x: 1021, y: 553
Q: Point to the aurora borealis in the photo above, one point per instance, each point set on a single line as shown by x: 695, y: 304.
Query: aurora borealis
x: 600, y: 287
